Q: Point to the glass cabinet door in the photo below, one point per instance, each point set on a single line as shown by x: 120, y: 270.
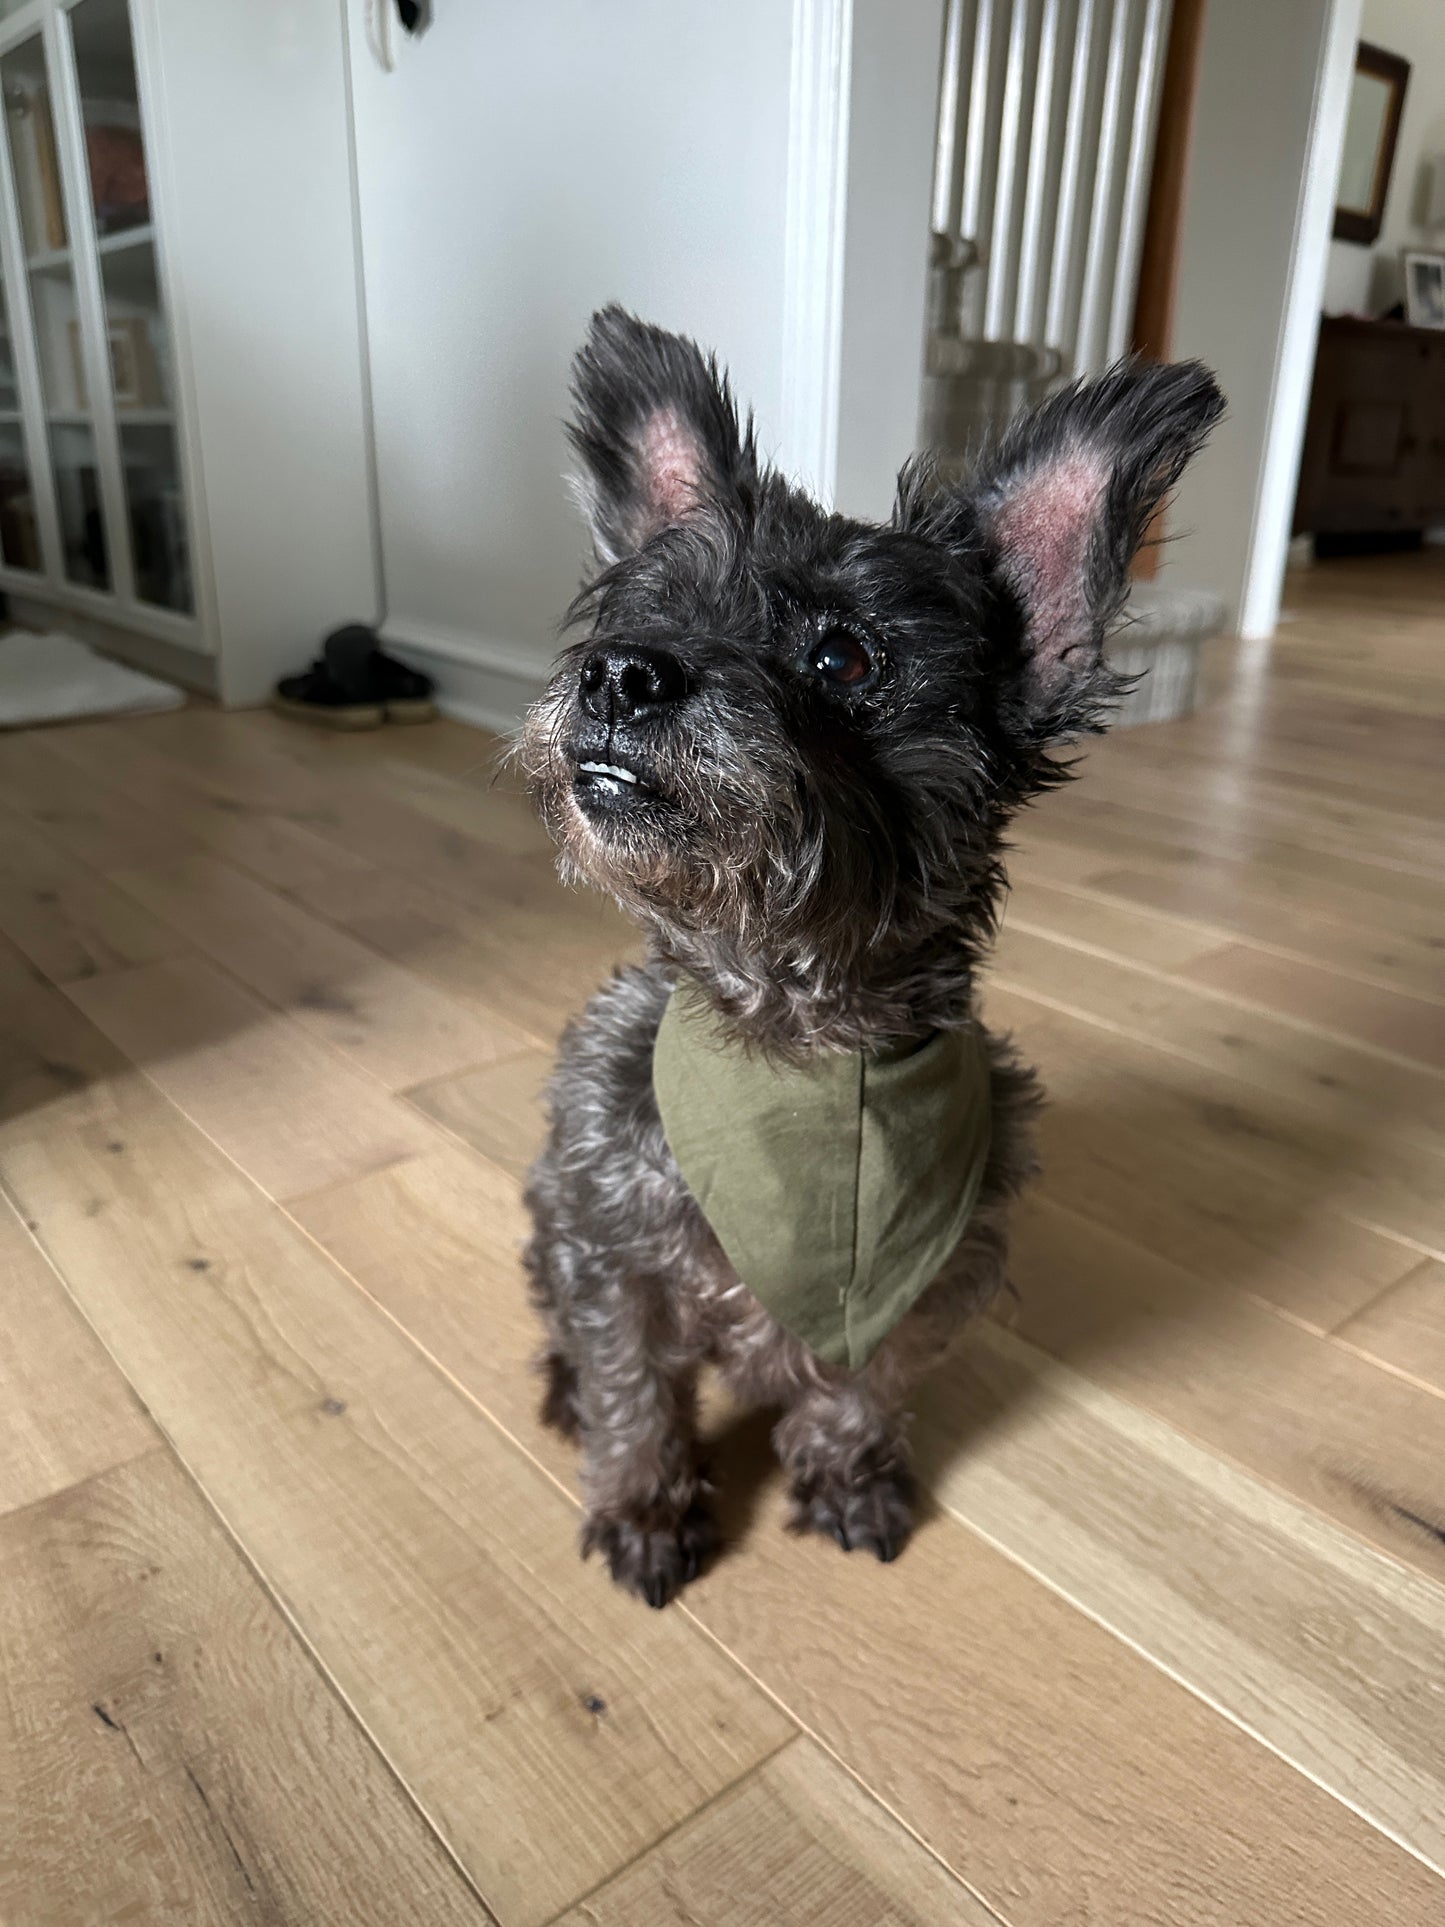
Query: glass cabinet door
x: 88, y: 275
x: 19, y: 531
x: 50, y: 271
x: 138, y: 340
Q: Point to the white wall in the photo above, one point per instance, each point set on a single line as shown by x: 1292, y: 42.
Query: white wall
x: 524, y: 164
x: 1258, y: 208
x: 893, y: 110
x: 1367, y: 280
x: 255, y: 202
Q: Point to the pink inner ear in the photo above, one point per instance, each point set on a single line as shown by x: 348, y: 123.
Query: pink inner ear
x: 672, y: 466
x: 1043, y: 531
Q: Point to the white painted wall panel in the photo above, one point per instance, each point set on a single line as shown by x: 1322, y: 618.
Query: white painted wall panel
x: 522, y: 165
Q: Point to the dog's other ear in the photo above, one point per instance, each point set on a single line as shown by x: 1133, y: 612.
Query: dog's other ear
x: 657, y: 432
x: 1061, y: 505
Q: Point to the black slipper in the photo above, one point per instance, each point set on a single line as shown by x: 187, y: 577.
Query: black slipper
x: 352, y: 685
x: 356, y: 661
x: 409, y: 695
x: 317, y: 697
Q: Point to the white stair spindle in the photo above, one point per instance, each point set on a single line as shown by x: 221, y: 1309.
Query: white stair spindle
x: 1136, y: 180
x: 1028, y: 321
x: 1001, y: 246
x: 948, y: 172
x: 1066, y: 250
x: 976, y: 131
x: 1089, y: 352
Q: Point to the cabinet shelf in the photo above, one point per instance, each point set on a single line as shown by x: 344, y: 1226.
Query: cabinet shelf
x: 51, y: 261
x: 124, y: 417
x: 58, y: 260
x: 127, y: 237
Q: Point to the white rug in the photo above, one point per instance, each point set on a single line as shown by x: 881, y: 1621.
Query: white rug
x: 49, y: 678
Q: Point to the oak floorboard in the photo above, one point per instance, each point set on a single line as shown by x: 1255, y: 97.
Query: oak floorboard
x: 89, y: 820
x: 947, y: 1692
x: 291, y: 1112
x: 1243, y: 799
x: 1409, y: 1029
x: 1107, y: 929
x: 1373, y: 953
x: 65, y: 1412
x: 66, y: 918
x: 1307, y: 1067
x: 1344, y: 1161
x: 430, y: 1567
x: 1405, y: 1325
x: 386, y: 1020
x: 1163, y: 1647
x: 796, y: 1844
x: 1233, y: 1224
x: 535, y: 957
x: 180, y: 1756
x: 1084, y: 815
x: 1322, y: 1422
x: 234, y: 822
x: 1320, y: 1646
x: 497, y: 1109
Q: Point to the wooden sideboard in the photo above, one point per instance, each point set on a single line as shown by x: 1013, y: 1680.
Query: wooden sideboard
x: 1374, y: 451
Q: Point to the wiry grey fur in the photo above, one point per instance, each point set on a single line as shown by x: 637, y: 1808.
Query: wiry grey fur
x: 823, y: 859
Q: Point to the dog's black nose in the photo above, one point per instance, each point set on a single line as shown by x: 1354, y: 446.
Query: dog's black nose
x: 621, y: 683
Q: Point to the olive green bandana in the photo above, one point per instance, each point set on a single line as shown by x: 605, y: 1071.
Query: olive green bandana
x: 837, y: 1189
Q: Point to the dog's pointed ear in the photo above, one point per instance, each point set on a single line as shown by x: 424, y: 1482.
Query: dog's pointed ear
x: 657, y: 433
x: 1060, y: 507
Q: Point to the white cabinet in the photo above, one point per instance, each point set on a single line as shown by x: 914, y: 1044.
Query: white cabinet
x: 184, y: 455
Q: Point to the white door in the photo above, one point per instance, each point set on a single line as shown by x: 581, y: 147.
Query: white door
x: 701, y: 163
x: 521, y: 166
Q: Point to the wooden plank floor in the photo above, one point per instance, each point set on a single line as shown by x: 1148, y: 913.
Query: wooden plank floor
x: 293, y: 1625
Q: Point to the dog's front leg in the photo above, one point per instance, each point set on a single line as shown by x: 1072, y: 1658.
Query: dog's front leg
x: 645, y: 1494
x: 847, y: 1455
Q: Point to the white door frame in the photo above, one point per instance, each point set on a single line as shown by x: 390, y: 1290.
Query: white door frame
x: 1299, y: 328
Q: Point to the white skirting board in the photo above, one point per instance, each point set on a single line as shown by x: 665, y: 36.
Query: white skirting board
x: 53, y: 678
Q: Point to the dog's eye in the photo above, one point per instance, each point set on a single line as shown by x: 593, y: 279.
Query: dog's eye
x: 840, y: 658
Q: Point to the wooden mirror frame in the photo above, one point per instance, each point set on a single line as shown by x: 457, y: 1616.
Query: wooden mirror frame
x: 1350, y: 223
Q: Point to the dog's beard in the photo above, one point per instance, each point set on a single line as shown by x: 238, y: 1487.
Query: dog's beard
x: 696, y: 851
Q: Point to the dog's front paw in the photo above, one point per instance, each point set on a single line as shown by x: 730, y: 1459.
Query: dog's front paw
x: 653, y: 1561
x: 869, y: 1512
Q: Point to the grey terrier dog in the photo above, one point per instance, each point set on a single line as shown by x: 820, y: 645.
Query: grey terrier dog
x: 791, y: 744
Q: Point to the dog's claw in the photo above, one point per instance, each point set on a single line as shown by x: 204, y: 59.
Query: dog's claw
x: 654, y: 1562
x: 875, y: 1513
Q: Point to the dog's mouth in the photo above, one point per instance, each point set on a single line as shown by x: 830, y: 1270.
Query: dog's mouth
x: 609, y: 789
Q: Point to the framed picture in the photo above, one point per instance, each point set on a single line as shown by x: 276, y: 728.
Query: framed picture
x: 1377, y: 100
x: 1425, y: 290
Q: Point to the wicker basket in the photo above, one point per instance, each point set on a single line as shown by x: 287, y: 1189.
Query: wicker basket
x: 1160, y: 639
